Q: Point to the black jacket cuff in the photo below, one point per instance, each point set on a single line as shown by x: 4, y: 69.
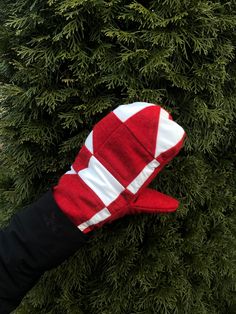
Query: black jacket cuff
x: 38, y: 238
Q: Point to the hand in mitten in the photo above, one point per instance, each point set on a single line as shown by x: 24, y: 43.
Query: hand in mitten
x: 120, y: 157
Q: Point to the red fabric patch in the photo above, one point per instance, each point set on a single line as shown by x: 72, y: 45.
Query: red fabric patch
x: 103, y: 129
x: 82, y: 159
x: 123, y: 156
x: 118, y: 208
x: 144, y: 127
x: 152, y: 201
x: 76, y: 199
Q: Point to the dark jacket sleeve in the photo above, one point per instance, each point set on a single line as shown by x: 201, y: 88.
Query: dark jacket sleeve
x: 38, y: 238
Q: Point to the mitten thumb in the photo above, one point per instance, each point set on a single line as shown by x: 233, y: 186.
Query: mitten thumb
x: 152, y: 201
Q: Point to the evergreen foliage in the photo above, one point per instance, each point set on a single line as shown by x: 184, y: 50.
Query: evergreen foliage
x: 64, y: 64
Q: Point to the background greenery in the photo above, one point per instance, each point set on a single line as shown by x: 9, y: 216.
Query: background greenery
x: 64, y: 64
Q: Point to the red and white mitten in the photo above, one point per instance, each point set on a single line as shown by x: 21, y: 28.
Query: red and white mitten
x: 120, y: 157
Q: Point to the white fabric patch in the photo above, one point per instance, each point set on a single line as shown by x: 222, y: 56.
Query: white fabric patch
x: 143, y: 176
x: 98, y: 217
x: 124, y: 112
x: 89, y: 142
x: 169, y: 133
x: 71, y: 171
x: 164, y: 113
x: 101, y: 181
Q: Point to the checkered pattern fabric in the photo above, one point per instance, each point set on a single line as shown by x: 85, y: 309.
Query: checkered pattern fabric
x: 122, y: 154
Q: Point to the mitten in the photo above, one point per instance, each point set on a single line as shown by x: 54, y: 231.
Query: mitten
x: 120, y: 157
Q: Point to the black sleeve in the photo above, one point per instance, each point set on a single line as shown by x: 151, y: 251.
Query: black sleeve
x: 39, y: 238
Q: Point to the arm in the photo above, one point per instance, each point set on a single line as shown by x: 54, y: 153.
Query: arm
x: 39, y: 238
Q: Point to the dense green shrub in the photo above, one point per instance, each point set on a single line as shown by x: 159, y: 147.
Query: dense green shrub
x: 63, y: 65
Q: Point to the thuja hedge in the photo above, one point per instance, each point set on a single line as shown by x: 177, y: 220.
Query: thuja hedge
x: 64, y: 64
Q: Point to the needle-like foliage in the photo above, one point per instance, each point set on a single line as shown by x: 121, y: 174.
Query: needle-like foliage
x: 64, y: 64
